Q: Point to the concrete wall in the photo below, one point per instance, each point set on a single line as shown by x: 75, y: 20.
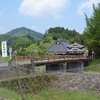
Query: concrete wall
x: 54, y: 67
x: 76, y: 67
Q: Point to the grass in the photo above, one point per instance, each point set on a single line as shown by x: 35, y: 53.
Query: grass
x: 40, y: 68
x: 9, y: 95
x: 94, y: 66
x: 4, y: 59
x: 50, y: 95
x: 95, y: 62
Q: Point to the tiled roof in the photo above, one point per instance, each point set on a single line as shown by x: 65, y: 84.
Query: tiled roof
x: 75, y: 45
x: 64, y: 43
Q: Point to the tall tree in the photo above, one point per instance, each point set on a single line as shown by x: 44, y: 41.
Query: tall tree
x: 92, y: 31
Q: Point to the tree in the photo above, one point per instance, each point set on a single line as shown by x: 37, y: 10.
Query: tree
x: 77, y: 39
x: 92, y: 31
x: 32, y: 48
x: 48, y: 38
x: 22, y: 42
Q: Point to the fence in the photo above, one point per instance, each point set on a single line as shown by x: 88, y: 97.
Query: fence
x: 17, y: 84
x: 50, y: 57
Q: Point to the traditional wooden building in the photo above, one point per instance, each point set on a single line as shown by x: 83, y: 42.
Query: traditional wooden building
x: 75, y: 48
x: 59, y: 47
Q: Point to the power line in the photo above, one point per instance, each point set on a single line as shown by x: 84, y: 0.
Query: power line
x: 5, y: 24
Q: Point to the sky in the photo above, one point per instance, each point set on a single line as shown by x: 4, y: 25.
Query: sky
x: 40, y: 15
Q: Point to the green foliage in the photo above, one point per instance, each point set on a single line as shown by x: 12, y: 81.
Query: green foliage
x: 92, y: 31
x: 94, y: 66
x: 14, y: 40
x: 22, y: 42
x: 36, y: 49
x: 48, y: 39
x: 25, y: 31
x: 42, y: 50
x: 21, y: 52
x: 32, y: 48
x: 59, y: 32
x: 4, y: 37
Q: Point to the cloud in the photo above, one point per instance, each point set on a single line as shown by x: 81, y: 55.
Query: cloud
x: 43, y: 7
x: 87, y: 5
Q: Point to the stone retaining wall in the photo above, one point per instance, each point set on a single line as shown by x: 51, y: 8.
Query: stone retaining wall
x: 87, y: 82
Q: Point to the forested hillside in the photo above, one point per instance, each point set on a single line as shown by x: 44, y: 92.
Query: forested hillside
x: 66, y: 34
x: 24, y: 31
x: 20, y: 38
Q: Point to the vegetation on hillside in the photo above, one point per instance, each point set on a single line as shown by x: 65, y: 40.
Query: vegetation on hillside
x: 20, y: 38
x: 59, y: 32
x: 94, y: 66
x: 24, y: 32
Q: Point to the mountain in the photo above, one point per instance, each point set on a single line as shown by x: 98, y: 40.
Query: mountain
x: 18, y: 32
x: 13, y: 36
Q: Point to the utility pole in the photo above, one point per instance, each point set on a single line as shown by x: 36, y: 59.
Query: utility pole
x: 25, y: 39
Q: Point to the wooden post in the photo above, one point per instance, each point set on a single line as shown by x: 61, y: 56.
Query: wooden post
x: 41, y: 58
x: 32, y: 60
x: 48, y: 58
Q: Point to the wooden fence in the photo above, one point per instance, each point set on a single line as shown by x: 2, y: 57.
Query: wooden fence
x: 50, y: 57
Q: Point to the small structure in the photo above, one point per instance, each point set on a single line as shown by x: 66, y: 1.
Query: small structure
x: 75, y: 48
x: 59, y: 47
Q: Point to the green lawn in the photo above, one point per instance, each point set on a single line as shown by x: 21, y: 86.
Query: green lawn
x: 94, y: 66
x: 50, y: 95
x: 95, y: 62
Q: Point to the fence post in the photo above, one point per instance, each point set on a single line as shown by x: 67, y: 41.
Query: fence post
x: 48, y: 58
x: 32, y: 60
x: 20, y: 87
x: 41, y: 58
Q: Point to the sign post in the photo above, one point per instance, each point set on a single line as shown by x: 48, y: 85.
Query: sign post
x: 10, y: 51
x: 92, y: 54
x: 4, y: 48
